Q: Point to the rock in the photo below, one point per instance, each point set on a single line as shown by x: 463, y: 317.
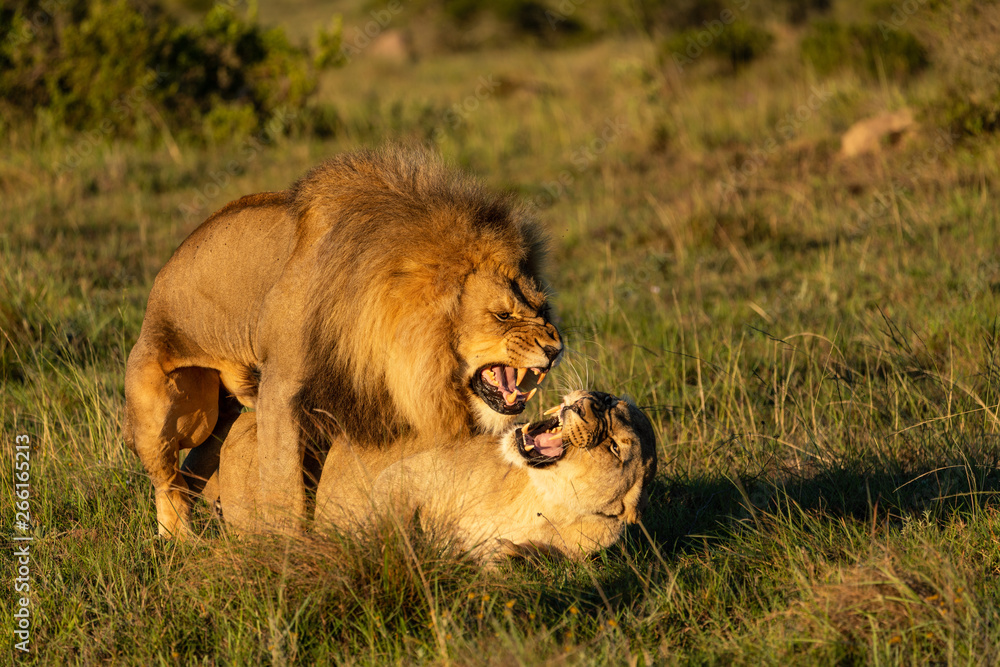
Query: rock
x: 394, y: 46
x: 866, y: 135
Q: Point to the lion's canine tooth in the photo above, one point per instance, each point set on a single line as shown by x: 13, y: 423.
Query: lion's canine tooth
x: 532, y: 393
x: 553, y: 410
x: 528, y: 446
x: 521, y: 372
x: 541, y: 376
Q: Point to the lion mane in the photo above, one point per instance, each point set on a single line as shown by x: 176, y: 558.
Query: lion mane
x: 388, y: 350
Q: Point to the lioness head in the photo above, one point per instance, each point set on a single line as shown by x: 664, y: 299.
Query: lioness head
x: 507, y: 343
x: 594, y: 448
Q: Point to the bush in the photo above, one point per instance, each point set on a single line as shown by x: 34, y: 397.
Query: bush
x: 739, y: 43
x: 663, y: 17
x: 967, y: 59
x: 865, y: 48
x: 742, y: 43
x: 965, y: 116
x: 463, y: 24
x: 114, y: 64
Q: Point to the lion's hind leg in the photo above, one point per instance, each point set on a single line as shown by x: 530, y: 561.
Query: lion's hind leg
x: 167, y: 411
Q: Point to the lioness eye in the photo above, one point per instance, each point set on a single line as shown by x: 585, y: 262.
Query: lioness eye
x: 503, y: 317
x: 614, y: 448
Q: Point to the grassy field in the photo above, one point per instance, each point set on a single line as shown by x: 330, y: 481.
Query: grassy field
x: 816, y: 338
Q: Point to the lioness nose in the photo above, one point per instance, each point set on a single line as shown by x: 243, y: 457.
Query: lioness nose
x: 602, y: 399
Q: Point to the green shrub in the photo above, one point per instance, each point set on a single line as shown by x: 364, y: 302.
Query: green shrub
x: 738, y: 43
x: 742, y: 43
x: 865, y: 48
x: 228, y: 120
x: 110, y: 65
x: 967, y: 60
x: 663, y: 17
x: 798, y: 11
x: 470, y: 23
x: 676, y: 15
x: 964, y: 116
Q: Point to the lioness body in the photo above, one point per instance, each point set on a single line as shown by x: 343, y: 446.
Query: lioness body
x: 496, y: 494
x: 365, y: 301
x: 500, y: 503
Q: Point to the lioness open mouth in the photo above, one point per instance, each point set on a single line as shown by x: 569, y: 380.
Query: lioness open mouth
x: 506, y: 389
x: 541, y: 443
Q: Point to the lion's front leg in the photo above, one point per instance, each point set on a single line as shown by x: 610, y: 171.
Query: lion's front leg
x: 280, y: 451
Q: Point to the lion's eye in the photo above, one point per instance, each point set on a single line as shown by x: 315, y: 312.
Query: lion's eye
x: 503, y: 317
x: 614, y: 449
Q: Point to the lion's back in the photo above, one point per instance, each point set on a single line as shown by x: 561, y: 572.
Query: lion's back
x: 218, y: 277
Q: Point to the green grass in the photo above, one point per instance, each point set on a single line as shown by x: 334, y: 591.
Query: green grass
x: 818, y: 346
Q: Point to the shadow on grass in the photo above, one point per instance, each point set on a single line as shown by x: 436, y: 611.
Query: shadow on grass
x: 964, y: 478
x: 699, y: 515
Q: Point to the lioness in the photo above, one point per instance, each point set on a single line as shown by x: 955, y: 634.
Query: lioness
x: 567, y: 484
x: 380, y: 284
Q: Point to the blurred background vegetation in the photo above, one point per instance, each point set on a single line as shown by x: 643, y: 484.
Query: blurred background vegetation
x: 774, y: 224
x: 203, y: 71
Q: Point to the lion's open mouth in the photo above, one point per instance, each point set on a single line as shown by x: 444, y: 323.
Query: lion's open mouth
x: 541, y: 443
x: 506, y: 389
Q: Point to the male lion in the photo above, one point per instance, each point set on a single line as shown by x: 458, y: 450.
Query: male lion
x: 382, y: 293
x: 565, y: 485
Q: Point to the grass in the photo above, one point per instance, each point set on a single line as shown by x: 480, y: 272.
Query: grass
x: 817, y: 343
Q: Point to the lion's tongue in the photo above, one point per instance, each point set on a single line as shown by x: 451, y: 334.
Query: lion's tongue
x: 507, y: 377
x: 549, y: 444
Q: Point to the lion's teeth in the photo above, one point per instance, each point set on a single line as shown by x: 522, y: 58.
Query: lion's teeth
x: 532, y: 393
x: 521, y: 372
x: 524, y: 429
x: 510, y: 399
x: 528, y: 446
x: 553, y: 410
x: 541, y: 376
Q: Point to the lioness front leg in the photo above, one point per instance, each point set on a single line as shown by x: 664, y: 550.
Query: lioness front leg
x: 578, y: 539
x: 280, y: 450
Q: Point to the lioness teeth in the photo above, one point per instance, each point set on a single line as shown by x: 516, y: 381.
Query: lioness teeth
x: 541, y: 376
x: 521, y: 372
x: 553, y: 410
x: 532, y: 393
x: 528, y: 446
